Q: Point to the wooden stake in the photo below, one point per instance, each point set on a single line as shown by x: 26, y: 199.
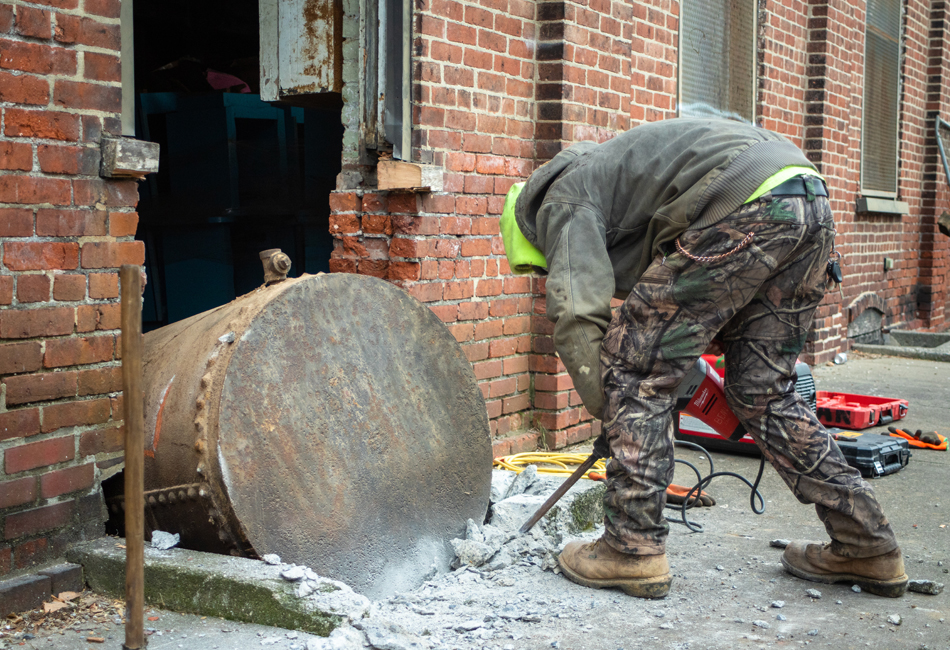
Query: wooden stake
x: 130, y: 278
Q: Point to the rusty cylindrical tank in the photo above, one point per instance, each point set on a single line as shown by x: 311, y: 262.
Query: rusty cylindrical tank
x: 330, y: 419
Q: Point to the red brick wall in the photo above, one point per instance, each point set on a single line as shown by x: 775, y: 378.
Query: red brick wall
x: 912, y: 294
x: 63, y: 233
x: 782, y: 54
x: 934, y: 258
x: 503, y: 85
x: 583, y: 93
x: 473, y: 111
x: 583, y: 83
x: 653, y: 80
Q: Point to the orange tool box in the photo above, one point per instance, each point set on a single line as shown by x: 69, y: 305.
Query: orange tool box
x: 858, y: 411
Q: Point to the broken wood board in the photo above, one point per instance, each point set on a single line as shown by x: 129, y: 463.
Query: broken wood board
x: 128, y: 158
x: 399, y: 175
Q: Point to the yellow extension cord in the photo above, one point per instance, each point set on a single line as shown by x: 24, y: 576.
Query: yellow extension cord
x: 563, y: 464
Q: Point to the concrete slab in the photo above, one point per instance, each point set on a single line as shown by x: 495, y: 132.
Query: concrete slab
x: 929, y: 346
x: 64, y: 577
x: 234, y: 588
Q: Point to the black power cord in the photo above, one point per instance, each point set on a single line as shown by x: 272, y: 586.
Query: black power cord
x: 704, y: 481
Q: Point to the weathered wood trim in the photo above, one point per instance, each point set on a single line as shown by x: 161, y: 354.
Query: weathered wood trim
x: 128, y: 158
x: 398, y: 175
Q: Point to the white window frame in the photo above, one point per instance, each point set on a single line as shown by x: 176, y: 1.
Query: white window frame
x: 877, y: 193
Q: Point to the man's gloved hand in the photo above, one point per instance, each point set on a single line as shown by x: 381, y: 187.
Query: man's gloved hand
x: 601, y: 446
x: 676, y: 494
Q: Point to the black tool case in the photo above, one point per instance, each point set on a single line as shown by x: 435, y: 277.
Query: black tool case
x: 871, y: 454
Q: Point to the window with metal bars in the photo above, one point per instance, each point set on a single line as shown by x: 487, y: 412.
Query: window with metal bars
x: 880, y: 134
x: 717, y: 58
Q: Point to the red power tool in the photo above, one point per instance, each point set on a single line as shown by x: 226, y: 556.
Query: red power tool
x: 700, y: 395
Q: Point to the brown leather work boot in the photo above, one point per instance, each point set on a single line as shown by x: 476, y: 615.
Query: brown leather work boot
x: 598, y: 565
x: 882, y: 575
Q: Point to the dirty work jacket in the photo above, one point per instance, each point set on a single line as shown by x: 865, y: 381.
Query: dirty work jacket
x: 601, y: 213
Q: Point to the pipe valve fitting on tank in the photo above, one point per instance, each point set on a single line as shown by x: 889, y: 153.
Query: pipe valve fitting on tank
x: 276, y: 265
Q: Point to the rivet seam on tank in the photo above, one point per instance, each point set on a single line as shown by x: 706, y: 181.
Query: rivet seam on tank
x: 163, y: 496
x: 201, y: 437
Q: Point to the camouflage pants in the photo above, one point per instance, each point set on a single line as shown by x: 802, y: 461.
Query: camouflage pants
x: 760, y: 300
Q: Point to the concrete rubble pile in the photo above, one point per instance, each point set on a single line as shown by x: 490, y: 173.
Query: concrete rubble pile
x: 322, y: 594
x: 490, y: 598
x: 515, y: 497
x: 485, y: 552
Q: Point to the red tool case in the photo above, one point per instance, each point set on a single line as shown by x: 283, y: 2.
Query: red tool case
x: 858, y: 411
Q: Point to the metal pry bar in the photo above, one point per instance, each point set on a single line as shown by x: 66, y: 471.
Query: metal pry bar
x: 601, y: 450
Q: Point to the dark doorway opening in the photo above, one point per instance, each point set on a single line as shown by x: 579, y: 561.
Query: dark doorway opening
x: 237, y: 175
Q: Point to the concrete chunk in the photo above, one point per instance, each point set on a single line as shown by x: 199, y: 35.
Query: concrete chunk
x: 579, y: 510
x: 499, y: 544
x: 164, y: 541
x: 925, y: 587
x: 500, y: 482
x: 512, y: 512
x: 294, y: 573
x: 342, y: 638
x: 522, y: 482
x: 471, y: 552
x: 388, y: 636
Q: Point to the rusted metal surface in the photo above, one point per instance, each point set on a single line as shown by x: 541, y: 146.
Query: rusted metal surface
x: 332, y: 420
x: 301, y: 48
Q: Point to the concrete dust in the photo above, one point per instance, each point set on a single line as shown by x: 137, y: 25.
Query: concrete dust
x: 729, y: 590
